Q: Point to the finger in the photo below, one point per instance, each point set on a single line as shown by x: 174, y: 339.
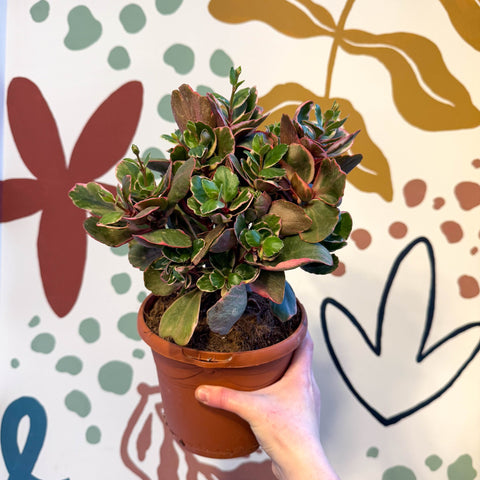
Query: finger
x: 302, y: 358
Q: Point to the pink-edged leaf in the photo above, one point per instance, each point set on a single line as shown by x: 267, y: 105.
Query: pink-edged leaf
x: 329, y: 183
x: 168, y: 237
x: 108, y: 133
x: 270, y: 285
x: 34, y: 129
x: 20, y: 197
x: 292, y: 216
x: 62, y: 254
x: 188, y: 105
x: 301, y: 161
x: 296, y: 252
x: 324, y: 219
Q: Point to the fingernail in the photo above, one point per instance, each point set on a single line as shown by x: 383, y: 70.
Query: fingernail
x: 201, y: 394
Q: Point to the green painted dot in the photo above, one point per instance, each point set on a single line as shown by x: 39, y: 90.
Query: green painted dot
x: 118, y: 58
x: 34, y: 321
x: 93, y: 435
x: 128, y: 325
x: 84, y: 29
x: 138, y: 353
x: 398, y: 473
x: 203, y: 89
x: 89, y: 330
x: 433, y: 462
x: 43, y: 343
x: 461, y: 469
x: 39, y: 11
x: 220, y: 63
x: 141, y: 296
x: 132, y: 18
x: 120, y: 251
x: 121, y: 282
x: 77, y: 402
x: 372, y: 452
x: 164, y: 109
x: 14, y: 363
x: 167, y: 7
x: 69, y: 364
x: 115, y: 377
x: 180, y: 57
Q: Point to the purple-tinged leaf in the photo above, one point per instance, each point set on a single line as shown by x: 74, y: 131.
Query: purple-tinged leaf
x: 210, y: 237
x: 223, y: 315
x: 288, y: 134
x: 292, y: 216
x: 141, y: 256
x: 329, y: 183
x: 170, y: 237
x: 324, y: 219
x: 226, y: 241
x: 262, y: 204
x: 189, y: 106
x: 270, y: 285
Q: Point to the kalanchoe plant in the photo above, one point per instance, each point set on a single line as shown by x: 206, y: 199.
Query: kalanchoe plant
x: 234, y: 208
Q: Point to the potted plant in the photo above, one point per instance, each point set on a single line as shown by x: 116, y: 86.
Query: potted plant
x: 231, y: 210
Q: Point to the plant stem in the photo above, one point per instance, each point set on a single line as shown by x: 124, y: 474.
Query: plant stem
x: 336, y: 40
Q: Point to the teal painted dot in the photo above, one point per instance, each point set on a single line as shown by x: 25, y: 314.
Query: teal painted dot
x: 84, y: 29
x: 39, y: 11
x: 93, y: 435
x: 14, y: 363
x: 89, y: 330
x: 121, y: 282
x: 34, y: 321
x: 154, y: 153
x: 43, y: 343
x: 167, y: 7
x: 115, y: 377
x: 138, y: 353
x: 398, y: 473
x: 180, y: 57
x: 69, y: 364
x: 120, y: 251
x: 77, y: 402
x: 141, y: 296
x: 128, y: 325
x: 203, y: 89
x: 461, y: 469
x: 372, y: 452
x: 164, y: 109
x: 118, y: 58
x: 220, y: 63
x: 433, y: 462
x: 132, y: 18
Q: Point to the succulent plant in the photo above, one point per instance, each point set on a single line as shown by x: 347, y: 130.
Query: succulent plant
x: 234, y: 208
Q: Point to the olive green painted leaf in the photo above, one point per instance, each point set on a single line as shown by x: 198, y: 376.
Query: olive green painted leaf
x: 324, y: 219
x: 223, y: 315
x: 373, y: 174
x: 274, y: 13
x: 448, y: 107
x: 181, y: 317
x: 113, y: 237
x: 465, y: 18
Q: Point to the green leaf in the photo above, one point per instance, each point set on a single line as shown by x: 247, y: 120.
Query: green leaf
x: 288, y: 308
x: 329, y: 182
x: 93, y: 198
x: 181, y: 182
x: 210, y: 206
x: 225, y: 142
x: 127, y: 167
x: 324, y: 218
x: 181, y: 317
x: 141, y: 256
x: 296, y: 252
x: 271, y: 246
x: 274, y: 155
x: 168, y: 236
x: 217, y: 279
x: 223, y: 315
x: 113, y: 237
x: 253, y: 238
x: 205, y: 284
x: 292, y: 216
x: 270, y: 285
x: 271, y: 172
x: 153, y: 281
x: 211, y: 236
x: 244, y: 197
x: 196, y: 186
x: 110, y: 218
x: 320, y: 268
x: 230, y: 182
x: 301, y: 161
x: 344, y: 225
x: 210, y: 188
x: 246, y: 272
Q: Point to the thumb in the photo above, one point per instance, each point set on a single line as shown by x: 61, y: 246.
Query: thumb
x: 234, y: 401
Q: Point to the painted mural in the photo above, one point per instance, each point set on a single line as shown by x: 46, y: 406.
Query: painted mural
x: 396, y: 327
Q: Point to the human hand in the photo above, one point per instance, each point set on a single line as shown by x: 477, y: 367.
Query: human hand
x: 284, y: 417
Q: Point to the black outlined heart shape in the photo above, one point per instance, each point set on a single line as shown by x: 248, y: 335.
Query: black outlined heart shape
x: 376, y: 346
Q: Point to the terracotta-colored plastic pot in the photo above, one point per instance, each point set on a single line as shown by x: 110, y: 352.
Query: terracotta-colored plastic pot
x: 204, y: 430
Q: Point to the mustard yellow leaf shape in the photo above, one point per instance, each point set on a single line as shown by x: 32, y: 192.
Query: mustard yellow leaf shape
x: 373, y: 173
x: 427, y: 96
x: 465, y: 18
x: 279, y: 14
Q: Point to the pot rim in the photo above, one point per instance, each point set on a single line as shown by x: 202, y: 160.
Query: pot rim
x: 209, y: 359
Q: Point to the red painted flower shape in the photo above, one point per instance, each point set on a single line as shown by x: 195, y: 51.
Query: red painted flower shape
x: 102, y: 143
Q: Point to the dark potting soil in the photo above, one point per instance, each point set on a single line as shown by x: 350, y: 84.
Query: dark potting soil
x: 257, y: 328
